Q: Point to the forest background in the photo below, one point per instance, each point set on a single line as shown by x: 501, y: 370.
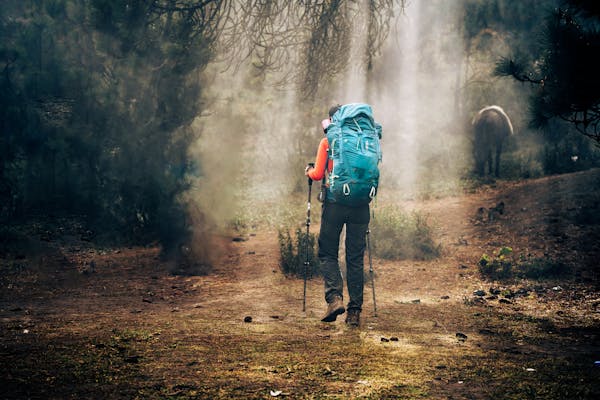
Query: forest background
x: 159, y: 121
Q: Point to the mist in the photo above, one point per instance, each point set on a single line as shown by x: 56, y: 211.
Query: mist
x: 416, y: 96
x: 258, y: 131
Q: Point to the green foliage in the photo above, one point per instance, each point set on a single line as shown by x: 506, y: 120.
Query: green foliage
x: 267, y: 213
x: 521, y: 164
x: 566, y: 151
x: 396, y: 234
x: 293, y: 253
x: 498, y: 266
x: 505, y: 265
x: 563, y: 67
x: 96, y: 100
x: 540, y: 268
x: 490, y: 27
x: 562, y: 151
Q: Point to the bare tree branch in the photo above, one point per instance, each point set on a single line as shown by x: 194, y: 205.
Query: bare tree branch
x: 275, y: 35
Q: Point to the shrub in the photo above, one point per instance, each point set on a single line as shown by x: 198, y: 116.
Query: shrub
x: 540, y: 268
x: 568, y: 153
x: 499, y: 266
x: 400, y: 235
x: 505, y: 265
x: 293, y: 253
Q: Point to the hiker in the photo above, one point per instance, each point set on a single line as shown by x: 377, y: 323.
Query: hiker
x: 340, y: 209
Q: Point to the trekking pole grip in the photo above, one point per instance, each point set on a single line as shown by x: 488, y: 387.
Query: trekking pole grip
x: 310, y: 181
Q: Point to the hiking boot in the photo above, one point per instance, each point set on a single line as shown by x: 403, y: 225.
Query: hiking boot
x: 335, y: 308
x: 353, y: 317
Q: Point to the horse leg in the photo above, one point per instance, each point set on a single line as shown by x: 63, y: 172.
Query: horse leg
x: 479, y: 165
x: 498, y: 152
x: 479, y: 155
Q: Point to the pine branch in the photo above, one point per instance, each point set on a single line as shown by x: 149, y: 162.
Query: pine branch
x: 508, y: 67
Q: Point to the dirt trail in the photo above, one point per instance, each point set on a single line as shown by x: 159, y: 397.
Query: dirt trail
x: 129, y: 329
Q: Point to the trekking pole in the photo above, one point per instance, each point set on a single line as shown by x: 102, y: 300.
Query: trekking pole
x: 371, y: 272
x: 307, y: 262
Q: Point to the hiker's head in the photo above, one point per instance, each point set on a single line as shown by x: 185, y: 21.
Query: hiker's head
x: 325, y: 123
x: 333, y: 110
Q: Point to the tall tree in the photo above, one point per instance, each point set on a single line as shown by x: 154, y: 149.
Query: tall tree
x: 565, y: 69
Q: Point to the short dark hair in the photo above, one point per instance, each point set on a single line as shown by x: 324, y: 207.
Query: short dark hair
x: 334, y: 109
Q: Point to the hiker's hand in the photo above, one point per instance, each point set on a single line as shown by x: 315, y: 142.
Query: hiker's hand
x: 308, y: 169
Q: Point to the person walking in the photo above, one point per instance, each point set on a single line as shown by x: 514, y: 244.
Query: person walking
x: 336, y: 215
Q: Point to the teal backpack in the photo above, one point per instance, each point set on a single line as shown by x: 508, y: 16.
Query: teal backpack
x: 354, y: 148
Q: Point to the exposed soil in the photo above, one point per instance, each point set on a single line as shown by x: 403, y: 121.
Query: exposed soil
x: 81, y: 321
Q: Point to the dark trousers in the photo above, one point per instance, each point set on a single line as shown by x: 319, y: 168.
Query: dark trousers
x: 356, y: 219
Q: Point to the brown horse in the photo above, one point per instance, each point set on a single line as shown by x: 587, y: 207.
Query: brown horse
x: 491, y: 126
